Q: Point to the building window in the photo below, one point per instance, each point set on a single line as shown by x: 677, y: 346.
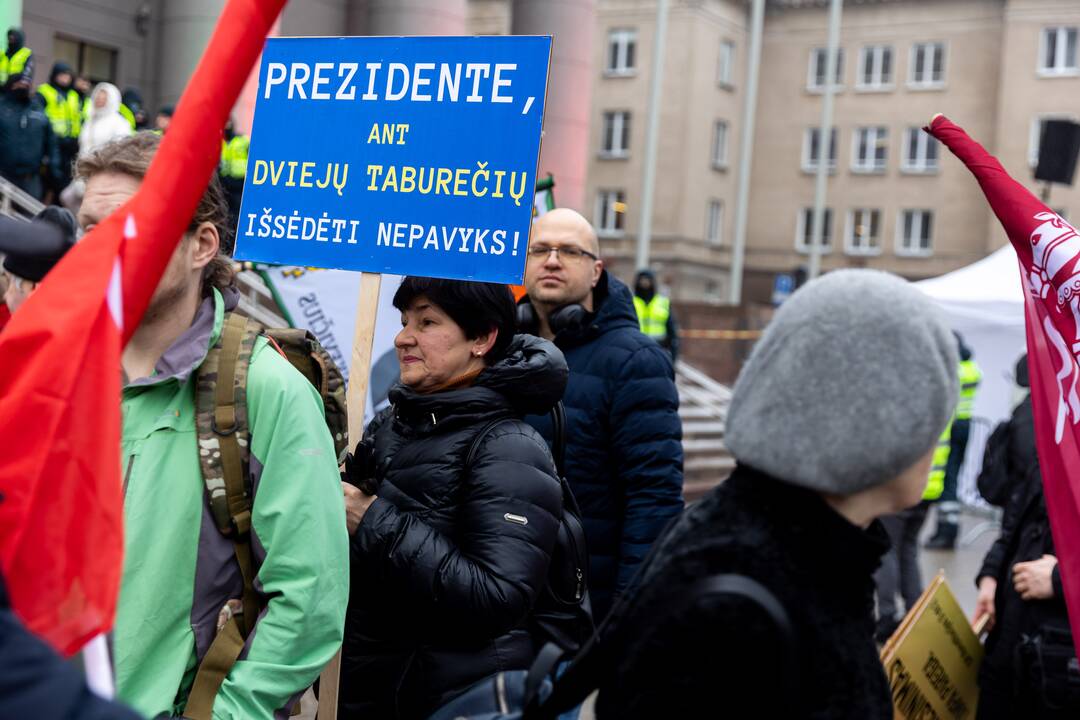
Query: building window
x: 805, y: 230
x: 915, y: 233
x: 927, y: 65
x: 719, y: 145
x: 622, y: 49
x: 812, y: 149
x: 610, y: 208
x: 1057, y: 51
x: 920, y: 152
x: 714, y: 222
x: 1038, y: 126
x: 819, y: 65
x: 863, y: 232
x: 616, y: 140
x: 725, y: 71
x: 871, y: 149
x: 875, y: 67
x: 94, y: 61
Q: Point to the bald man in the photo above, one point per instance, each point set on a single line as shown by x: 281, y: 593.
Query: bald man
x: 624, y: 438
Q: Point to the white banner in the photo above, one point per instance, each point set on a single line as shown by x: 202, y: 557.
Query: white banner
x: 324, y: 302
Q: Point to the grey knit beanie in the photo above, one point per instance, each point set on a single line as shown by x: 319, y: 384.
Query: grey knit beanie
x: 853, y: 381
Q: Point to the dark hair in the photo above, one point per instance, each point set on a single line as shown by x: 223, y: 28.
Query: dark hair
x: 476, y: 307
x: 131, y: 156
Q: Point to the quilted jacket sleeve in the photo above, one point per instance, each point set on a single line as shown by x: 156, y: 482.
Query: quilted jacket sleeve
x: 487, y: 576
x: 647, y: 446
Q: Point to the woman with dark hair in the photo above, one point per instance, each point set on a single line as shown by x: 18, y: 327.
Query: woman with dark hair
x: 453, y: 505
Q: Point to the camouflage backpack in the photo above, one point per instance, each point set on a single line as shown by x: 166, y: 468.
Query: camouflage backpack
x: 224, y: 435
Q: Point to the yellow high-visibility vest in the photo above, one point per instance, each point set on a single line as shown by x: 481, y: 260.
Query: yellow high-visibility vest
x: 935, y: 484
x: 970, y: 377
x: 653, y: 316
x: 234, y: 157
x: 15, y: 64
x: 128, y: 115
x: 63, y: 110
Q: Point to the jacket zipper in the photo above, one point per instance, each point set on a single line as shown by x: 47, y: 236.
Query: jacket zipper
x: 127, y: 475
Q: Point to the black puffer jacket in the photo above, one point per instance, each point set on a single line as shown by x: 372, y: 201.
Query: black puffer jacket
x: 448, y: 561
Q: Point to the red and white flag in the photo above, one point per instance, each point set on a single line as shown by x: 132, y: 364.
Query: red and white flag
x: 61, y: 509
x: 1049, y: 252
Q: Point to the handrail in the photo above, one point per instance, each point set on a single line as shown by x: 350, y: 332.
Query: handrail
x: 16, y: 202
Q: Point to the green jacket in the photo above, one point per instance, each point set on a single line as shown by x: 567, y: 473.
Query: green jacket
x: 179, y: 570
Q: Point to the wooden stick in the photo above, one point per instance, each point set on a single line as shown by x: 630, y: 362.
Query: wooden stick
x: 367, y: 306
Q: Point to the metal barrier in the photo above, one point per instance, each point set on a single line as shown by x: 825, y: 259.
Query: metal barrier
x: 967, y: 483
x: 16, y: 203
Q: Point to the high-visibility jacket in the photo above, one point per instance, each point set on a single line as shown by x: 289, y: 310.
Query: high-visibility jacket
x: 970, y: 377
x: 63, y: 109
x: 15, y: 64
x: 128, y: 115
x: 935, y: 484
x: 234, y: 157
x: 653, y: 316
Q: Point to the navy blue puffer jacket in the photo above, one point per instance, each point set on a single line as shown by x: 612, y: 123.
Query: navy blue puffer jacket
x: 624, y: 457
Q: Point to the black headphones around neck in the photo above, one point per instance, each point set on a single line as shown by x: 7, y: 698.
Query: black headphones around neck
x: 567, y: 317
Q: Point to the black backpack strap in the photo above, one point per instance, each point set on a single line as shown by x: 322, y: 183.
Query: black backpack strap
x: 582, y: 677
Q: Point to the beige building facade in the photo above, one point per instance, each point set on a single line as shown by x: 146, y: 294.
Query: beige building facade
x: 897, y: 201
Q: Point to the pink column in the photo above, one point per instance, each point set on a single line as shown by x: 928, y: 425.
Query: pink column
x: 565, y: 149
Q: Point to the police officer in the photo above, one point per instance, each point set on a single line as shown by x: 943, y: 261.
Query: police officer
x: 948, y: 511
x: 64, y: 109
x: 27, y: 144
x: 17, y: 59
x: 233, y: 168
x: 654, y: 313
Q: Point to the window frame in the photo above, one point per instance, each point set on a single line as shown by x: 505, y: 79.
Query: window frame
x: 714, y: 239
x: 914, y: 83
x: 881, y: 84
x: 1045, y: 71
x: 621, y: 126
x: 898, y: 246
x: 725, y: 65
x: 718, y: 160
x: 629, y: 36
x: 811, y: 71
x: 850, y: 247
x: 924, y: 143
x: 808, y: 163
x: 612, y: 196
x: 880, y: 139
x: 804, y: 225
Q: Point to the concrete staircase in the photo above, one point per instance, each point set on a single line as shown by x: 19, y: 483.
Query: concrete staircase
x: 703, y: 404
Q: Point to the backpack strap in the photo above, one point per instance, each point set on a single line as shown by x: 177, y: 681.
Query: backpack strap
x: 224, y: 440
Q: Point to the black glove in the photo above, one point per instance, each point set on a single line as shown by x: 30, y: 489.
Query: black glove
x: 360, y: 467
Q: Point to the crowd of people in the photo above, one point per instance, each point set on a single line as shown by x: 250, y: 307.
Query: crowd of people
x: 44, y: 130
x: 446, y: 552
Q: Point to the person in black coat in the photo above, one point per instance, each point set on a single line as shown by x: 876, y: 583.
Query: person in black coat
x: 1020, y: 588
x: 449, y: 554
x: 624, y: 455
x: 797, y: 517
x: 28, y: 146
x: 36, y: 683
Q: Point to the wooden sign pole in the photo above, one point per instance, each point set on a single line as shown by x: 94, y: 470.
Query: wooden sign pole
x: 367, y: 306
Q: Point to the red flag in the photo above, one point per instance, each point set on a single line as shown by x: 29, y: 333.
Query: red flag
x: 61, y: 513
x: 1049, y: 252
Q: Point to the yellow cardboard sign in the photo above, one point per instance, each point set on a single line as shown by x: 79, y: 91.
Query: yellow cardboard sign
x: 932, y: 661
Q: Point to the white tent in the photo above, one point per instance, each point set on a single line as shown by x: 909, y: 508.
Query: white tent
x: 984, y: 302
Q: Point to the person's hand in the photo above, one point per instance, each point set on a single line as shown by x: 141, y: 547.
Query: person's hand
x: 1032, y: 579
x: 984, y: 603
x: 357, y: 503
x: 360, y: 467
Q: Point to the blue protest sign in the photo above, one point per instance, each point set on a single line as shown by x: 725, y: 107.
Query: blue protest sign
x: 412, y: 156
